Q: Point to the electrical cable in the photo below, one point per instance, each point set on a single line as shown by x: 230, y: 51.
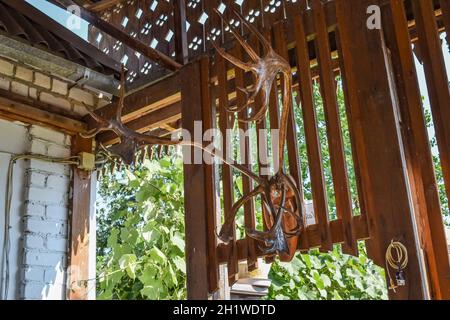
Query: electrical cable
x: 8, y: 200
x: 397, y: 259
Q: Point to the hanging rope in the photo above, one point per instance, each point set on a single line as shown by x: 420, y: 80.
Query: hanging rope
x: 396, y: 259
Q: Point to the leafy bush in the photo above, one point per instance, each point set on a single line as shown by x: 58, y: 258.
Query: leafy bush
x: 332, y: 276
x: 141, y: 233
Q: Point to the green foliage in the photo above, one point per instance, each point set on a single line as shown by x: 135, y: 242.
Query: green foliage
x: 333, y: 276
x: 437, y: 166
x: 141, y: 233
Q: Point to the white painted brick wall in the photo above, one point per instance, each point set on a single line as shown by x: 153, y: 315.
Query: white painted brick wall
x: 41, y: 208
x: 46, y: 213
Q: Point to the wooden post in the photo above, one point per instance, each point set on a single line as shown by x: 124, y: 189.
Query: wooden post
x: 78, y: 272
x: 199, y: 187
x: 418, y: 156
x: 377, y: 139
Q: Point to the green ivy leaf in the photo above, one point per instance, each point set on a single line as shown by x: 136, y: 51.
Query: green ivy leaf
x: 178, y: 242
x: 148, y: 276
x: 180, y: 264
x: 128, y: 262
x: 158, y: 256
x: 152, y: 290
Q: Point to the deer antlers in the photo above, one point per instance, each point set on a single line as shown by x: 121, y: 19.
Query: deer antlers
x: 274, y: 190
x: 130, y: 140
x: 280, y: 195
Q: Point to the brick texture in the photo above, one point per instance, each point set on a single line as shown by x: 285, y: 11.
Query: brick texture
x: 46, y: 213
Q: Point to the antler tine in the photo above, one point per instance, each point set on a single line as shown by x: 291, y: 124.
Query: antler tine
x: 241, y: 40
x: 152, y: 140
x: 92, y: 133
x: 225, y: 232
x: 244, y: 66
x: 121, y: 95
x: 257, y: 117
x: 264, y: 42
x: 95, y: 116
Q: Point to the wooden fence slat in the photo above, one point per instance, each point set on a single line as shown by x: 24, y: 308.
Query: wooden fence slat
x: 291, y: 139
x: 437, y: 80
x: 423, y: 181
x: 227, y: 174
x: 334, y: 131
x: 356, y: 165
x: 311, y: 136
x: 247, y: 184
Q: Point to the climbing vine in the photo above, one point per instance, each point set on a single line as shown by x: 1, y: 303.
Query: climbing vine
x: 141, y: 233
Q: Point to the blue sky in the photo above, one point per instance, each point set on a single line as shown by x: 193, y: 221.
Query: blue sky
x: 59, y: 15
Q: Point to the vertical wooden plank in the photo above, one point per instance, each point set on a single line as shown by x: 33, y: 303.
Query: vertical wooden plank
x: 334, y: 132
x: 247, y: 184
x: 356, y: 165
x: 437, y: 80
x: 292, y: 148
x: 291, y: 137
x: 377, y: 140
x: 429, y: 216
x: 209, y: 122
x: 312, y: 136
x: 80, y: 225
x: 227, y: 174
x: 200, y: 208
x: 181, y: 42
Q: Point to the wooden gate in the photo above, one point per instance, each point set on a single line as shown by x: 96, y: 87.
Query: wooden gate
x: 330, y: 46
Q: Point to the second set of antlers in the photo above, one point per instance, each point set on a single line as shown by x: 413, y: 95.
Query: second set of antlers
x: 279, y: 193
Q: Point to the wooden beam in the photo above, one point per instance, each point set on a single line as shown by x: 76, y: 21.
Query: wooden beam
x: 377, y: 138
x: 34, y: 115
x: 80, y: 225
x: 124, y: 37
x: 153, y: 97
x: 146, y: 123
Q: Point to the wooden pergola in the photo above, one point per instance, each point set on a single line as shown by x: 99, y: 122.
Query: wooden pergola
x: 175, y: 78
